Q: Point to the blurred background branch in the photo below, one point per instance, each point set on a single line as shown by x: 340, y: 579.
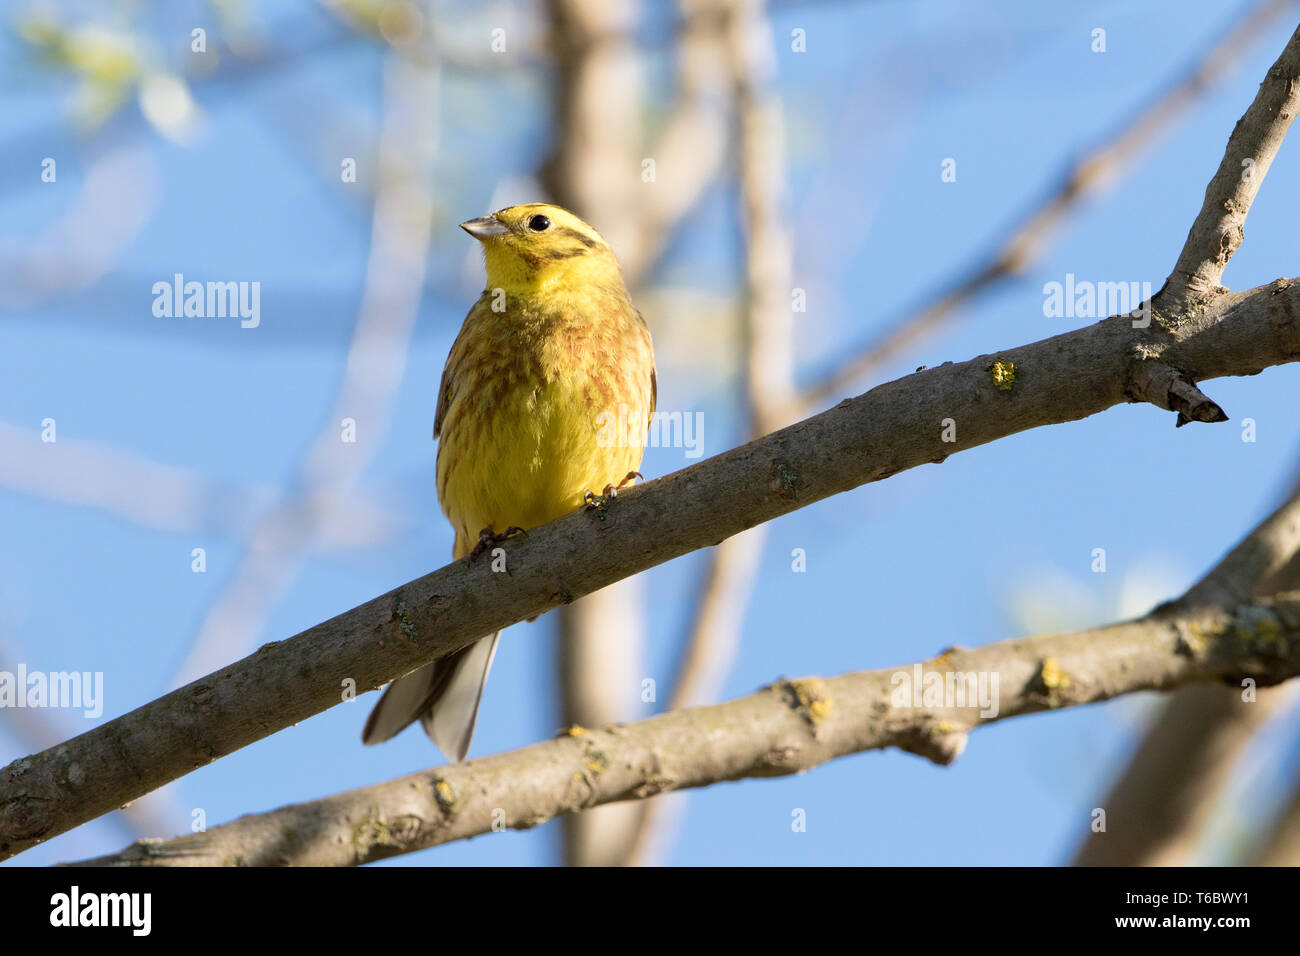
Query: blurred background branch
x: 375, y: 362
x: 1161, y: 806
x: 768, y: 344
x: 594, y: 170
x: 597, y: 169
x: 94, y: 475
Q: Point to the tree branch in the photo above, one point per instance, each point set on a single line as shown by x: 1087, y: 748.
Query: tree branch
x: 891, y: 428
x: 1088, y: 176
x: 325, y: 832
x: 786, y: 728
x: 1219, y: 228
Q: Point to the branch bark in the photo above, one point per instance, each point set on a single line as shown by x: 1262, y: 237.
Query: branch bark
x: 1242, y: 624
x: 891, y: 428
x: 786, y: 728
x: 1219, y: 228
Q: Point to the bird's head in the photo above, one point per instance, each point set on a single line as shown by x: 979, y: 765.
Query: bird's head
x: 537, y: 247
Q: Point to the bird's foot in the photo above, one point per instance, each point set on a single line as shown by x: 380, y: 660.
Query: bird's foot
x: 592, y: 501
x: 489, y: 539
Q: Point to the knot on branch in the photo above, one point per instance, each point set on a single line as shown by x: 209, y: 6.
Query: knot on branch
x: 1165, y: 387
x: 939, y: 741
x: 1051, y: 686
x: 24, y: 817
x: 810, y: 698
x: 1260, y: 636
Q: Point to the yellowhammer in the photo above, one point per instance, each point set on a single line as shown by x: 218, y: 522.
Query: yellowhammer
x: 551, y: 358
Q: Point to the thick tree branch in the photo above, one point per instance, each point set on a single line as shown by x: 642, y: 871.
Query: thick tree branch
x: 1219, y: 228
x: 326, y: 831
x: 786, y: 728
x: 893, y: 427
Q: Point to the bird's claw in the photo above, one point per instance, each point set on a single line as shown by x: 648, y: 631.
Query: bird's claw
x: 488, y: 539
x: 592, y: 501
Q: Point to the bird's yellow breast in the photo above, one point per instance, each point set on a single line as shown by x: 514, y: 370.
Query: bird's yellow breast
x: 533, y: 399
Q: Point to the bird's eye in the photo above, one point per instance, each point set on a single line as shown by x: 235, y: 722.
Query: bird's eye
x: 539, y: 223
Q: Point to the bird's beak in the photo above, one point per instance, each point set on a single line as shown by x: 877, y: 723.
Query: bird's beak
x: 484, y: 227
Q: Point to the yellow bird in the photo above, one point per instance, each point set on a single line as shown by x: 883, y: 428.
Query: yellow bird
x: 542, y: 401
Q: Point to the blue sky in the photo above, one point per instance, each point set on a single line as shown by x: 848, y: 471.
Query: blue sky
x: 995, y: 542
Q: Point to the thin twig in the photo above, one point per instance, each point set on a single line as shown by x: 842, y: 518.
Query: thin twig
x: 1219, y: 228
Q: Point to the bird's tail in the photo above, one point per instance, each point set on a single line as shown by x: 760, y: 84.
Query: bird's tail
x: 444, y: 696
